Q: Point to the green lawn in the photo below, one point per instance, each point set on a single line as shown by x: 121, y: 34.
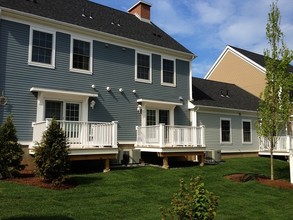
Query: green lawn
x: 138, y: 193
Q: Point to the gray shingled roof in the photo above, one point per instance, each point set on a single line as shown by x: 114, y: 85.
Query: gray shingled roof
x: 223, y: 95
x: 258, y: 58
x: 70, y: 11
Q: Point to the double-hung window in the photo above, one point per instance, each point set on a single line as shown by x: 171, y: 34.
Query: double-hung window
x: 62, y: 110
x: 81, y: 56
x: 246, y: 131
x: 226, y: 131
x: 158, y: 116
x: 143, y: 68
x: 168, y: 76
x: 42, y: 48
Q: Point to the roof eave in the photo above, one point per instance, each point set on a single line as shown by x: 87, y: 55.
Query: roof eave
x: 103, y: 35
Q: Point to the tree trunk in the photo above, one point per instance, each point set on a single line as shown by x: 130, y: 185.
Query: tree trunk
x: 272, y: 159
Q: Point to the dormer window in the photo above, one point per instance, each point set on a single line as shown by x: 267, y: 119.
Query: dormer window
x: 42, y: 48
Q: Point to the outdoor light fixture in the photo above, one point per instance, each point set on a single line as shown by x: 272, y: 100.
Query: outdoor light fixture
x: 92, y: 104
x: 120, y: 90
x: 108, y: 88
x: 139, y: 107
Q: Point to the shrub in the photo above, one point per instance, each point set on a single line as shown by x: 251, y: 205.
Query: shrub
x: 193, y: 201
x: 51, y: 155
x: 11, y: 152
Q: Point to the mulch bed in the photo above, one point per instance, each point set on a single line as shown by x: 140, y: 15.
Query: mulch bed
x: 242, y: 177
x: 29, y: 178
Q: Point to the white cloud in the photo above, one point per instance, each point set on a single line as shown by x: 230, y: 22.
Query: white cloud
x: 172, y: 19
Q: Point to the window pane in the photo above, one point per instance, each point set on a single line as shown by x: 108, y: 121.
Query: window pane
x: 42, y: 47
x: 81, y: 55
x: 151, y: 117
x: 225, y: 129
x: 143, y: 66
x: 246, y: 131
x: 72, y: 112
x: 53, y: 109
x: 168, y: 71
x: 164, y: 116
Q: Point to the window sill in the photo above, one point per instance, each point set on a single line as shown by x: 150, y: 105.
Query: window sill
x: 43, y: 65
x: 168, y: 84
x: 81, y: 71
x: 143, y: 81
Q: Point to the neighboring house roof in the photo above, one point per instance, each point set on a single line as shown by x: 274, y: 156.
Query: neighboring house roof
x: 258, y: 58
x: 222, y: 95
x: 104, y: 19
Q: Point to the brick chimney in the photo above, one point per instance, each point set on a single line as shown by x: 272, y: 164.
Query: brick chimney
x: 142, y: 10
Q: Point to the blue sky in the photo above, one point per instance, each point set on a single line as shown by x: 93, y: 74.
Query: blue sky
x: 206, y: 27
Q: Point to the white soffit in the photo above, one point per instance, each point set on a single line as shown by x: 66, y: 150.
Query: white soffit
x: 65, y: 92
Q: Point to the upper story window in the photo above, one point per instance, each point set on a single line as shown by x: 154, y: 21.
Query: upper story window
x: 42, y: 48
x: 246, y: 131
x: 226, y: 131
x: 81, y: 56
x: 143, y: 68
x: 168, y: 77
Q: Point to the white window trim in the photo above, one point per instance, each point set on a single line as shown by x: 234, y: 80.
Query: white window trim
x: 144, y: 114
x: 246, y: 142
x: 33, y: 63
x: 225, y: 142
x: 135, y: 66
x: 90, y: 71
x: 162, y: 70
x: 65, y: 98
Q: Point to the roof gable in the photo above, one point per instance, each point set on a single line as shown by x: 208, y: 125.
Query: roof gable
x: 97, y: 17
x: 256, y: 60
x: 222, y: 95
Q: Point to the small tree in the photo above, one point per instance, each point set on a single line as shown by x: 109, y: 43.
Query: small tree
x: 51, y: 155
x: 11, y: 152
x: 275, y: 106
x: 193, y: 201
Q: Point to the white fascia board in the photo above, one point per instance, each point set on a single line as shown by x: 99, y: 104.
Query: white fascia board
x: 36, y: 89
x: 190, y: 105
x: 152, y: 101
x: 232, y: 50
x: 251, y: 62
x: 216, y: 63
x: 29, y: 19
x: 217, y: 110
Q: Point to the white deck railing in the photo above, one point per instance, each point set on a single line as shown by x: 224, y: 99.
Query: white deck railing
x: 283, y: 144
x: 82, y: 134
x: 170, y: 136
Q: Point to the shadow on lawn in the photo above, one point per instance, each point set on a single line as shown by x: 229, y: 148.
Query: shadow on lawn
x: 83, y: 180
x: 57, y: 217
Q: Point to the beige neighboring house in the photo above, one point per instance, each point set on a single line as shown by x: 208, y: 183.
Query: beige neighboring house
x: 240, y: 67
x: 247, y: 70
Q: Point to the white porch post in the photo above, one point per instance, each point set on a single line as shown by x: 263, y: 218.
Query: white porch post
x: 202, y: 138
x: 114, y: 133
x: 194, y: 136
x: 162, y: 135
x: 291, y: 158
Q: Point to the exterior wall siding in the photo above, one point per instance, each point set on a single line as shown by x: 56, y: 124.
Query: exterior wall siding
x: 233, y: 69
x: 212, y: 125
x: 112, y: 66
